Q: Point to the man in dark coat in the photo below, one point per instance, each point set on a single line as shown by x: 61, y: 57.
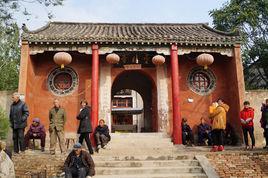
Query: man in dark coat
x: 187, y: 134
x: 36, y: 131
x: 85, y: 127
x: 79, y: 163
x: 264, y: 121
x: 18, y: 121
x: 204, y: 132
x: 102, y: 135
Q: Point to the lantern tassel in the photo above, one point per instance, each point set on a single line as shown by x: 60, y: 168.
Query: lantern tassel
x: 206, y: 67
x: 62, y: 66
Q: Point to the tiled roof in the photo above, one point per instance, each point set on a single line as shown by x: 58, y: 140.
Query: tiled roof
x: 138, y: 33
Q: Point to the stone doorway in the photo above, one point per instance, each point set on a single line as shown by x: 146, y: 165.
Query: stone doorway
x: 138, y: 83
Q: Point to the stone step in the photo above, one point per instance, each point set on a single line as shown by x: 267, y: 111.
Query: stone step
x: 147, y: 170
x: 134, y: 140
x: 140, y: 135
x: 139, y: 145
x: 183, y: 175
x: 143, y: 157
x: 155, y: 163
x: 148, y: 152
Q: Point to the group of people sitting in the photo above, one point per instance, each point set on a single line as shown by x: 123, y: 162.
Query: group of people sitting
x: 220, y: 133
x: 204, y: 134
x: 215, y: 133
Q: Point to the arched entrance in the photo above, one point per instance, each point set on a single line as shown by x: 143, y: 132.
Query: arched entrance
x: 141, y: 83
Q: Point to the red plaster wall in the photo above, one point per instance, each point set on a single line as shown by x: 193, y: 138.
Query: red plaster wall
x: 225, y: 89
x: 40, y: 99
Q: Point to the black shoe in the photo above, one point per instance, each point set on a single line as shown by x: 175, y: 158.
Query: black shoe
x: 42, y: 149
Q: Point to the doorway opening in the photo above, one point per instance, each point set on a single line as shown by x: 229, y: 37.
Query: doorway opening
x: 134, y: 105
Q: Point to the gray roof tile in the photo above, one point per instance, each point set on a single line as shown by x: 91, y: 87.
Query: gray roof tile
x: 124, y: 32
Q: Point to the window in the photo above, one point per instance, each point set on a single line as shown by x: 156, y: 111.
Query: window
x: 62, y: 81
x: 201, y: 81
x: 122, y: 102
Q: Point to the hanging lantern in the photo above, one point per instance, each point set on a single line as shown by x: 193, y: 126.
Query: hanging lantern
x: 204, y: 60
x: 158, y: 60
x: 112, y: 58
x: 62, y: 58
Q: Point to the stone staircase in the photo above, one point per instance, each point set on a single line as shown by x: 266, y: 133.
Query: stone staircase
x: 150, y: 155
x: 128, y: 155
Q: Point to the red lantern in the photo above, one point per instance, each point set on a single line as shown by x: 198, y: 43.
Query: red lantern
x: 205, y: 60
x: 112, y: 58
x: 62, y: 58
x: 158, y: 60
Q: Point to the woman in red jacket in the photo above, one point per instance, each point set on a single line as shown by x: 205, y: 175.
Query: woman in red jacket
x: 246, y: 118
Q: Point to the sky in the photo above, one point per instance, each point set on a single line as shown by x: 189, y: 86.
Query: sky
x: 123, y: 11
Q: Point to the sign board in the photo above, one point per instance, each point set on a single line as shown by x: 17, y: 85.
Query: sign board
x: 132, y: 66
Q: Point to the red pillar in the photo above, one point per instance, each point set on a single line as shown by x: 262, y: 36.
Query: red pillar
x: 95, y: 86
x: 177, y: 133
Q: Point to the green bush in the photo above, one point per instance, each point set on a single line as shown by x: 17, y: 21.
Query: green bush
x: 4, y: 124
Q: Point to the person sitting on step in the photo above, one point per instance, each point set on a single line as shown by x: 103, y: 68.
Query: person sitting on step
x: 36, y: 131
x: 187, y: 134
x: 204, y: 133
x: 101, y: 134
x: 79, y: 163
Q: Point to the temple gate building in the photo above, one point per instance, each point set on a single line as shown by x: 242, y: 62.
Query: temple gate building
x: 110, y: 62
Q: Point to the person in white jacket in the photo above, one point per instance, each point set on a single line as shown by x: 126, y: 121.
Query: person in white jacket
x: 6, y: 164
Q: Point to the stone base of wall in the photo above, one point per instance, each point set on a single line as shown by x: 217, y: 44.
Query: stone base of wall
x: 34, y: 164
x: 256, y: 98
x: 242, y: 164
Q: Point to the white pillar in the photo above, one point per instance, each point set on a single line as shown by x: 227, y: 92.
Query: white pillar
x: 162, y: 98
x: 105, y: 93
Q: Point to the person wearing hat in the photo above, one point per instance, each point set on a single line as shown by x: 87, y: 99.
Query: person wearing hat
x: 79, y: 163
x: 36, y: 131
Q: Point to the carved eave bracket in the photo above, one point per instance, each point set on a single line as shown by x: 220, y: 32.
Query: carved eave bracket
x: 226, y: 51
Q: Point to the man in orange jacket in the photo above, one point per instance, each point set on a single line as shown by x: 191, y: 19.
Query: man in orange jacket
x: 246, y: 118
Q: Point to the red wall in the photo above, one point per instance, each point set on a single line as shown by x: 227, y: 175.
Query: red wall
x: 40, y: 99
x: 225, y: 89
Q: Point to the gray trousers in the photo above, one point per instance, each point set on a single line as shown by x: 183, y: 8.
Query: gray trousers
x: 101, y: 139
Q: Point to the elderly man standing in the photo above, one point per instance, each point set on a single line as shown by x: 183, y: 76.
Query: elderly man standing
x: 18, y: 121
x: 57, y: 119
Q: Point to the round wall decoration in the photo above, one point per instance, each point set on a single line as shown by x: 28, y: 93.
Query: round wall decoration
x: 62, y: 81
x: 201, y: 81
